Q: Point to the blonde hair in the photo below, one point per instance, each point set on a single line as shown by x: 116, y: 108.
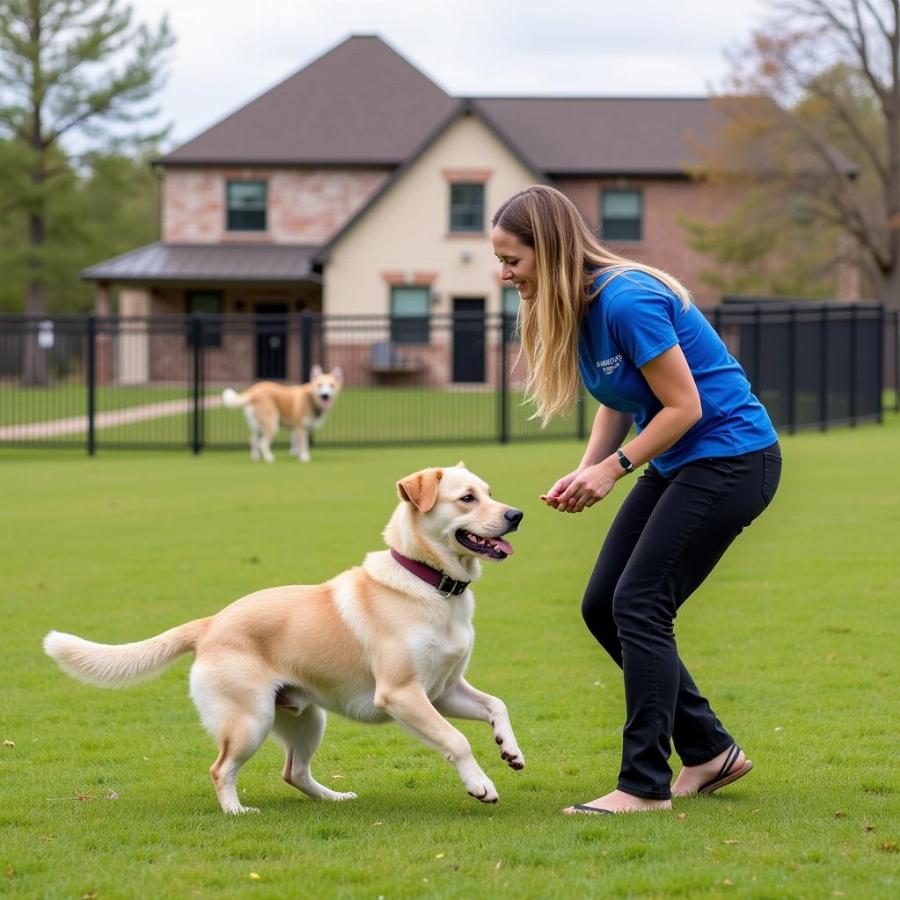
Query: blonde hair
x: 568, y: 260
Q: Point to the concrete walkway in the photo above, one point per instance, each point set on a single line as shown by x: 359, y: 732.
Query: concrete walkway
x: 34, y: 431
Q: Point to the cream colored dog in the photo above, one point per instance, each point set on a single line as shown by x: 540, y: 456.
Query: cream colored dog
x: 301, y: 407
x: 388, y: 639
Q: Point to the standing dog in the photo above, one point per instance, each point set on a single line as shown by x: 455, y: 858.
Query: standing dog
x: 389, y: 639
x: 302, y: 408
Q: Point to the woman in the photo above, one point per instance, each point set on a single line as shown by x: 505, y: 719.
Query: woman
x: 631, y: 335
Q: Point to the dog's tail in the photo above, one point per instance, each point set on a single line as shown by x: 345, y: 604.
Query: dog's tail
x: 232, y: 398
x: 115, y: 665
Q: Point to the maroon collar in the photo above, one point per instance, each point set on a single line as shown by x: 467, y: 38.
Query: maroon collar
x: 444, y: 584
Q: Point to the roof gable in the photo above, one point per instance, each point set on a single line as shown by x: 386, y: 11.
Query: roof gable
x: 361, y: 102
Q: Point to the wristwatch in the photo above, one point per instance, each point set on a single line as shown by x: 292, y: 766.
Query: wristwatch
x: 624, y: 461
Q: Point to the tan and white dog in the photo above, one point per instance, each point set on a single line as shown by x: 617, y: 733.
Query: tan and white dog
x: 302, y: 408
x: 389, y: 639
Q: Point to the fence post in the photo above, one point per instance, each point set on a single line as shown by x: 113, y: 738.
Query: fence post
x: 880, y: 370
x: 851, y: 365
x: 756, y: 381
x: 792, y: 367
x: 896, y: 318
x: 91, y: 337
x: 823, y: 371
x: 197, y: 337
x: 503, y: 405
x: 306, y: 326
x: 581, y: 430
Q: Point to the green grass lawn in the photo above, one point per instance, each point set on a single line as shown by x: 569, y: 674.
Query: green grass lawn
x: 794, y: 638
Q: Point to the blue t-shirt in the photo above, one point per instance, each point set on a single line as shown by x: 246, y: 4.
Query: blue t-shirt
x: 633, y: 320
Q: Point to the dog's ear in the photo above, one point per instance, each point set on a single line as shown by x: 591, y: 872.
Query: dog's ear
x: 337, y: 373
x: 460, y: 465
x: 315, y: 371
x: 420, y: 488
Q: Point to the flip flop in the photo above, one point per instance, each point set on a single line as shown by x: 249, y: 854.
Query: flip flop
x: 593, y: 810
x: 728, y: 773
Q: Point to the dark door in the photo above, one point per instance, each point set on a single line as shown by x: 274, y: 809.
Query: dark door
x: 271, y: 340
x: 468, y: 339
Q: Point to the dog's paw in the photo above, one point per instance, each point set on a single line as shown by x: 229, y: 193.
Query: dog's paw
x: 510, y: 752
x: 483, y: 789
x: 340, y: 796
x: 241, y: 810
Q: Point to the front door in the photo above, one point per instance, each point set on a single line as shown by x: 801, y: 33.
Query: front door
x: 468, y: 339
x: 271, y: 340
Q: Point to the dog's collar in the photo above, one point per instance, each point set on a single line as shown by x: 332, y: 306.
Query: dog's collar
x: 443, y: 583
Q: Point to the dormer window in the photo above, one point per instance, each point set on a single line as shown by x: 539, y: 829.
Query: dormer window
x: 246, y: 203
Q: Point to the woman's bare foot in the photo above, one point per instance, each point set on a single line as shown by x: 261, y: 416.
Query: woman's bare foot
x: 692, y: 778
x: 619, y: 802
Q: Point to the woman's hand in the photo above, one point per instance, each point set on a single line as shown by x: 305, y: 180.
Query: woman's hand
x: 582, y: 488
x: 552, y: 497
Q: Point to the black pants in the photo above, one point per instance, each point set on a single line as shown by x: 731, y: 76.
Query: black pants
x: 667, y: 537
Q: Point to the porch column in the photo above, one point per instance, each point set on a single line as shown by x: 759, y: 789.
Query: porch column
x: 134, y: 341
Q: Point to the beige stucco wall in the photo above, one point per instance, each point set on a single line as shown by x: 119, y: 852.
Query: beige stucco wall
x: 407, y: 230
x: 305, y: 206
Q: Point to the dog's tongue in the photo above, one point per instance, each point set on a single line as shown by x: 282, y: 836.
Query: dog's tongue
x: 500, y: 544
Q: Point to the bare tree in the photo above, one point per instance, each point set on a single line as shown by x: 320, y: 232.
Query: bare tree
x: 70, y: 67
x: 814, y: 107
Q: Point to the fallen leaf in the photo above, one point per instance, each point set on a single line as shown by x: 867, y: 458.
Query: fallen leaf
x: 840, y: 814
x: 337, y: 776
x: 728, y: 881
x: 681, y: 816
x: 84, y: 797
x: 888, y: 846
x: 376, y: 823
x: 868, y: 827
x: 499, y: 863
x: 9, y: 743
x: 255, y: 876
x: 438, y: 855
x: 731, y: 841
x: 90, y: 895
x: 46, y: 837
x: 10, y: 873
x: 779, y: 728
x: 112, y: 795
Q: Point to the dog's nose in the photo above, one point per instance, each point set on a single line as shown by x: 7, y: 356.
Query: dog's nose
x: 514, y: 516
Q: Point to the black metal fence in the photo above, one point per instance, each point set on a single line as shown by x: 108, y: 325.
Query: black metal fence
x: 84, y: 381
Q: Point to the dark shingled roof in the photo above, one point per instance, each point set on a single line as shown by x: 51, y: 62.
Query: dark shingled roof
x: 359, y: 103
x: 604, y: 135
x: 209, y: 262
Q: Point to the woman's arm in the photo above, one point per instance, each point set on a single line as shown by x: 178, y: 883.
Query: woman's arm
x: 671, y: 381
x: 607, y: 433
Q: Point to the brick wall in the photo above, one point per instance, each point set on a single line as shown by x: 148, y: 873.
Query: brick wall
x: 664, y: 242
x: 305, y: 206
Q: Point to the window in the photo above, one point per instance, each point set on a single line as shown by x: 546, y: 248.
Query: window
x: 621, y: 214
x: 410, y: 315
x: 246, y: 205
x: 209, y: 305
x: 510, y: 310
x: 467, y: 207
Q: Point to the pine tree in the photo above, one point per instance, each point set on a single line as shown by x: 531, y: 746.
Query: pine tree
x: 69, y: 70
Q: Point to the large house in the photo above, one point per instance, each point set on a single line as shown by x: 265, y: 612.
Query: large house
x: 358, y: 186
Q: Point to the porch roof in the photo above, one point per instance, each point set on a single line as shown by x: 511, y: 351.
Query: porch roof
x: 209, y: 263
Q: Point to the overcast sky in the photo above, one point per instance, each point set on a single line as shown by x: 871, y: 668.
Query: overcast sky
x: 228, y: 53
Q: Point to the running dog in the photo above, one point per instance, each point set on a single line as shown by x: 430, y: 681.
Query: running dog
x: 389, y: 639
x: 302, y: 408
